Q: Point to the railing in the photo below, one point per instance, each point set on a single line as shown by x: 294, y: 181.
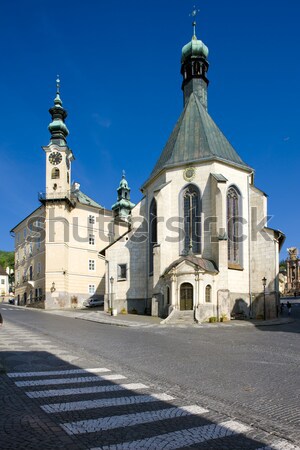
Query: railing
x: 56, y: 195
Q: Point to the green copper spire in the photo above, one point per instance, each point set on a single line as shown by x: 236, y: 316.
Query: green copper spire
x: 57, y: 127
x: 194, y: 66
x: 123, y: 206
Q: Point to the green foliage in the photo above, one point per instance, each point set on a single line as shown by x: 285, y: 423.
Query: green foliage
x: 212, y: 319
x: 7, y: 259
x: 282, y: 265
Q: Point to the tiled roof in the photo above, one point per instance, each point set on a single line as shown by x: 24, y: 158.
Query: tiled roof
x: 196, y: 138
x: 2, y: 271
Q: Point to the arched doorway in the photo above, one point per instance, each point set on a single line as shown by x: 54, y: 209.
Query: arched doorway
x: 186, y: 297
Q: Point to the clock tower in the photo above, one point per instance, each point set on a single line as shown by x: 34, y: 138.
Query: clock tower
x: 58, y: 155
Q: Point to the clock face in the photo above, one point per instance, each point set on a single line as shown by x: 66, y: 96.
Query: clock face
x: 189, y: 173
x: 67, y: 162
x: 55, y: 158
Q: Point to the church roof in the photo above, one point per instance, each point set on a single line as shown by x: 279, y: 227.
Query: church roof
x: 200, y: 263
x: 196, y: 138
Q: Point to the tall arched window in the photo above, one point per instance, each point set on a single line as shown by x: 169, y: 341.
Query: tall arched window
x: 208, y: 293
x: 152, y: 232
x: 192, y: 220
x: 233, y: 223
x: 55, y: 173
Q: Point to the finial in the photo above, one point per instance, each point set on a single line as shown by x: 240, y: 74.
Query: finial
x: 123, y: 174
x: 194, y: 14
x: 57, y: 84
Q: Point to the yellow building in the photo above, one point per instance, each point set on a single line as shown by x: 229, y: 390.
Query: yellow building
x: 57, y: 261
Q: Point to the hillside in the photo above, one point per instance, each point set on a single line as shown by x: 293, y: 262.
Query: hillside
x: 6, y: 259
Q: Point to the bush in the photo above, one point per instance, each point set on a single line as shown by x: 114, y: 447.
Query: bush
x: 212, y: 319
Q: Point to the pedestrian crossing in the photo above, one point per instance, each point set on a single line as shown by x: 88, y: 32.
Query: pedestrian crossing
x: 105, y: 412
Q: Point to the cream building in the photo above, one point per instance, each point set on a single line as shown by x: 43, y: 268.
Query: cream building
x: 57, y: 261
x: 4, y: 284
x: 199, y: 246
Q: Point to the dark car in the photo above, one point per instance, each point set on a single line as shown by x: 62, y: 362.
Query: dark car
x: 93, y: 301
x: 11, y: 301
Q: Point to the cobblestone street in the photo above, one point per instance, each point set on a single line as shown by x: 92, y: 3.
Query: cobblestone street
x: 57, y: 395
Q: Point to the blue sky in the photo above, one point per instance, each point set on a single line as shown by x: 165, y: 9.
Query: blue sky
x: 119, y: 64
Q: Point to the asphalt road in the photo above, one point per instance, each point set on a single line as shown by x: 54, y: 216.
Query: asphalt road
x: 247, y: 373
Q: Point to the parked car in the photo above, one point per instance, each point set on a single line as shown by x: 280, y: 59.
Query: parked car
x: 93, y: 301
x: 11, y: 301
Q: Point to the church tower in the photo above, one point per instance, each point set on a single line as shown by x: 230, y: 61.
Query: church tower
x: 58, y: 154
x: 194, y: 67
x: 122, y: 208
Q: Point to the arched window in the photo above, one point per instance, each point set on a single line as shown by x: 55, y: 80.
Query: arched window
x: 55, y: 173
x: 152, y: 232
x: 208, y: 293
x: 192, y: 220
x: 233, y: 223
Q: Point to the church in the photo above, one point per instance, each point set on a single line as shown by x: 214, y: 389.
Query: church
x: 196, y: 247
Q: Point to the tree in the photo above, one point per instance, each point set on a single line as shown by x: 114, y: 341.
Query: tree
x: 7, y: 259
x: 282, y: 265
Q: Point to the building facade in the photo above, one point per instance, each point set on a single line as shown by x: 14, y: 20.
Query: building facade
x: 199, y: 244
x: 4, y: 282
x: 57, y: 261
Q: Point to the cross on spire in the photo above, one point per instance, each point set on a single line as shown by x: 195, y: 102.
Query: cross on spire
x: 194, y: 13
x: 57, y: 84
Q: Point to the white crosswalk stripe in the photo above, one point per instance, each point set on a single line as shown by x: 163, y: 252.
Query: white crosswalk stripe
x: 56, y: 372
x: 68, y: 380
x: 109, y: 423
x: 280, y: 445
x: 182, y: 438
x: 85, y: 390
x: 103, y: 403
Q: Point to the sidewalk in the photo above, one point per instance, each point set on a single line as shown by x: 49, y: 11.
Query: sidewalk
x: 135, y: 320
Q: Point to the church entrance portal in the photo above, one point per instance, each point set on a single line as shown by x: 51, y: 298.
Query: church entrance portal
x: 186, y: 297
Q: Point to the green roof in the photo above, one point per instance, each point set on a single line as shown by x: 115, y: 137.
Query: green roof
x: 85, y: 200
x: 196, y: 138
x: 201, y: 263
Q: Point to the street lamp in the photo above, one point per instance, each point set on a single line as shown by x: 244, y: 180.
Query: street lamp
x: 264, y: 282
x: 111, y: 294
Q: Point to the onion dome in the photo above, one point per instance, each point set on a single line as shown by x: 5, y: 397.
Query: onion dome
x: 57, y: 127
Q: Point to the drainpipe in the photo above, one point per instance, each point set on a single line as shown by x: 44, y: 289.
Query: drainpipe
x: 249, y: 243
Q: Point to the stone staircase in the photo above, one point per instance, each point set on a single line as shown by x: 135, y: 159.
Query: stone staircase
x: 178, y: 317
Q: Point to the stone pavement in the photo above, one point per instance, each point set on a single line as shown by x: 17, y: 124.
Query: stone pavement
x: 135, y: 320
x: 53, y: 398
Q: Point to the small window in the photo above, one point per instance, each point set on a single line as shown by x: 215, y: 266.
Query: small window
x: 68, y: 178
x: 91, y: 264
x: 55, y: 173
x: 92, y: 289
x: 25, y: 233
x: 38, y: 267
x: 92, y: 219
x: 91, y: 239
x: 122, y: 271
x: 2, y: 281
x: 208, y: 294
